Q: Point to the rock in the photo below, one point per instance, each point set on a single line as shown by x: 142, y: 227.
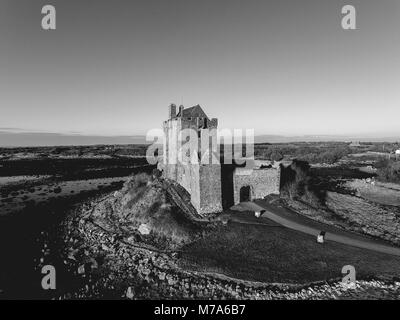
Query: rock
x: 144, y: 229
x: 81, y: 269
x: 93, y: 263
x: 171, y: 280
x: 57, y: 190
x: 146, y: 271
x: 175, y: 255
x: 130, y: 294
x: 161, y: 276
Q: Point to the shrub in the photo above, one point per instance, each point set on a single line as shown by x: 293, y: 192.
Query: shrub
x: 297, y: 184
x: 295, y: 178
x: 276, y: 156
x: 388, y: 170
x: 134, y: 188
x: 311, y: 152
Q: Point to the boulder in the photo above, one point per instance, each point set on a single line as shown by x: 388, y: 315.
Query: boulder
x: 144, y: 229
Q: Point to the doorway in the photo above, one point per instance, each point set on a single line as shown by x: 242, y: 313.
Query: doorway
x: 245, y: 194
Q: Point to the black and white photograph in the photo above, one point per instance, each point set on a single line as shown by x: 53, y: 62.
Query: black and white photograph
x: 201, y: 152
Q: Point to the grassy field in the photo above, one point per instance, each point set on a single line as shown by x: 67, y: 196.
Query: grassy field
x: 384, y: 193
x: 277, y: 254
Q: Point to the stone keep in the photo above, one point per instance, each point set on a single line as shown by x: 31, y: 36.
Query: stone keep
x: 202, y: 179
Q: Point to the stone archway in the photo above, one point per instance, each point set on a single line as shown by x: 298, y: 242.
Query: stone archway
x: 245, y: 194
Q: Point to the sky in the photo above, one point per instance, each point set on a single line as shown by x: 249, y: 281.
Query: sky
x: 280, y: 67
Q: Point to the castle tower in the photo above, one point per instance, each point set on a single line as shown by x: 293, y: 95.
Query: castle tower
x: 201, y: 174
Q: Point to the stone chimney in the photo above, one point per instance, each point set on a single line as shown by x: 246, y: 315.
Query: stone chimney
x: 181, y: 107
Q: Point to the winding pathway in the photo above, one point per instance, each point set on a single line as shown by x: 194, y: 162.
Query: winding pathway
x: 292, y: 220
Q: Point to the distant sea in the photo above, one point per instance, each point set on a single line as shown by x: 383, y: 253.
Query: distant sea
x: 32, y: 139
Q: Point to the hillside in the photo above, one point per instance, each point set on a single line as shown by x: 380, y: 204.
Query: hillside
x: 146, y: 210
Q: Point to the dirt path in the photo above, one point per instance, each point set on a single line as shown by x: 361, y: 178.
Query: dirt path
x: 294, y: 221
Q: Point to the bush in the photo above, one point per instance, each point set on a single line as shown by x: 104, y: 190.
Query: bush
x: 311, y: 152
x: 276, y: 156
x: 295, y: 179
x: 388, y: 170
x: 297, y: 184
x: 134, y: 188
x: 330, y: 156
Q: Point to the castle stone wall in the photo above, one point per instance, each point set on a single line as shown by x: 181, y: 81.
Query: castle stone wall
x: 189, y: 177
x: 171, y: 129
x: 210, y: 189
x: 262, y: 182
